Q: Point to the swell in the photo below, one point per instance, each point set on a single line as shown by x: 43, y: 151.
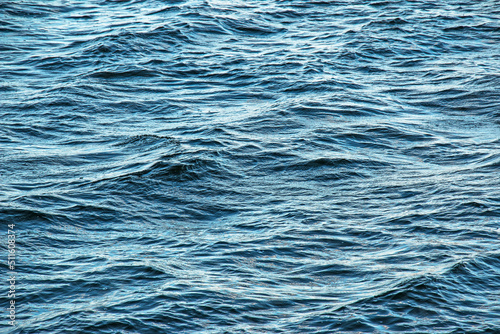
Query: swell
x: 249, y: 167
x: 404, y: 305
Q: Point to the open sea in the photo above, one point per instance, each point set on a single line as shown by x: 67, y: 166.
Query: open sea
x: 281, y: 166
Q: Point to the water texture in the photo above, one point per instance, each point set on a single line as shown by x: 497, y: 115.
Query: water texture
x: 251, y: 166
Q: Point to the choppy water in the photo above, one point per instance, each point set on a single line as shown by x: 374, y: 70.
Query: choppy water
x: 251, y: 166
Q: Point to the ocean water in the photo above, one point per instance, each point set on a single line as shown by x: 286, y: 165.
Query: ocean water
x: 253, y: 166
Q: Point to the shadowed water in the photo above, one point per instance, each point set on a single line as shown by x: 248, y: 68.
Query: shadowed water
x: 251, y: 166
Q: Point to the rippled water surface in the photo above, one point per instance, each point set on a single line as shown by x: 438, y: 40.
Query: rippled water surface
x: 251, y: 166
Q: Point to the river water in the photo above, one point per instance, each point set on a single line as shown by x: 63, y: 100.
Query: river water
x: 251, y: 166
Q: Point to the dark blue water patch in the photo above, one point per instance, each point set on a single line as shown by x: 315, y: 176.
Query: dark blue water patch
x: 248, y: 167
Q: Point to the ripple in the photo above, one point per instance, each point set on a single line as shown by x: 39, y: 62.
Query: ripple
x: 211, y: 166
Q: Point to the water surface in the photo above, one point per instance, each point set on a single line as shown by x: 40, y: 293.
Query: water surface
x: 251, y: 166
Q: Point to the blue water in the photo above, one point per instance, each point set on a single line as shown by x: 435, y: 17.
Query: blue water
x: 251, y: 166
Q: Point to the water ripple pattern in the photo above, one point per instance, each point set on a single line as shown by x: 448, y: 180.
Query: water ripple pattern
x: 213, y: 166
